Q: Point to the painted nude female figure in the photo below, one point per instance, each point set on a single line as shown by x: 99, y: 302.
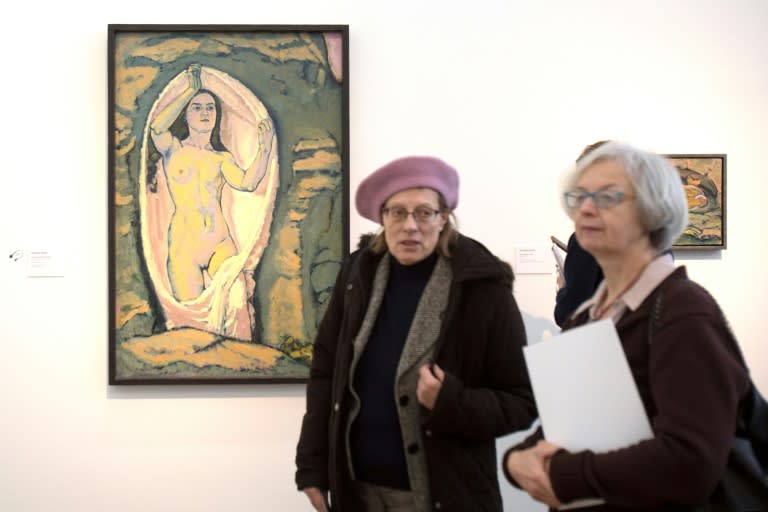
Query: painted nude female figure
x: 197, y: 167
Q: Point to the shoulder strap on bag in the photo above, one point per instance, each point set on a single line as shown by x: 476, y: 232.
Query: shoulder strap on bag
x: 753, y: 410
x: 653, y: 322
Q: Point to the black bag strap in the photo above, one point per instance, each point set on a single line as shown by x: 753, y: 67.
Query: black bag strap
x: 653, y: 322
x: 752, y: 421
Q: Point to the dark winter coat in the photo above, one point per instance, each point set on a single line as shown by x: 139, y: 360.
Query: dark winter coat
x: 485, y: 394
x: 582, y: 274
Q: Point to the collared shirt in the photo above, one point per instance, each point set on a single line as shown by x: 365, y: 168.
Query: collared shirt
x: 651, y: 277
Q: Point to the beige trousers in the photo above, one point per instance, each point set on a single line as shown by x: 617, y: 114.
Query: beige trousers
x: 375, y: 498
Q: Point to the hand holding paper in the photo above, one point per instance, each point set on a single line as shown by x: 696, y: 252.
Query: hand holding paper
x: 584, y: 390
x: 530, y: 469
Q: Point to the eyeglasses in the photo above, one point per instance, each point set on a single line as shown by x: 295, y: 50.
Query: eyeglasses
x: 601, y: 198
x: 422, y: 214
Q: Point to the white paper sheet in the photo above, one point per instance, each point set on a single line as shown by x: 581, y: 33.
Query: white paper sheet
x: 45, y: 263
x: 559, y: 255
x: 584, y: 390
x: 532, y: 259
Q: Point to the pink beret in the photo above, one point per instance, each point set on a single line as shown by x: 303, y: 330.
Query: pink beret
x: 404, y: 173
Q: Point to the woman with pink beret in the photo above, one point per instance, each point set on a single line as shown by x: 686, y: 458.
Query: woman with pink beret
x: 418, y: 364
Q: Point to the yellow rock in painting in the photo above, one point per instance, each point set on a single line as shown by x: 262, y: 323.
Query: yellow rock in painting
x: 201, y: 349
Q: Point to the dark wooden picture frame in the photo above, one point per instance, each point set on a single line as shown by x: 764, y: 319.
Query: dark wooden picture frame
x: 228, y: 192
x: 704, y: 179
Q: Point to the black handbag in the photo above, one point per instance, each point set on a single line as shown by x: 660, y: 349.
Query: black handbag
x: 744, y: 485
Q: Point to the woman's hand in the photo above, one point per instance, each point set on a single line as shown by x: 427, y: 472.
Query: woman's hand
x: 266, y: 131
x: 429, y: 384
x: 530, y: 469
x: 316, y: 498
x: 195, y: 81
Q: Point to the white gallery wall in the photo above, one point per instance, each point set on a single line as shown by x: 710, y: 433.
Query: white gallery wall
x: 507, y: 91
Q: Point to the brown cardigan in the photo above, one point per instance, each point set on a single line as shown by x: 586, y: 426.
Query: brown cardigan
x: 691, y: 379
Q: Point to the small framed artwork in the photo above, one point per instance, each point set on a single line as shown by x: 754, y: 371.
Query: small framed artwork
x: 228, y: 198
x: 703, y: 178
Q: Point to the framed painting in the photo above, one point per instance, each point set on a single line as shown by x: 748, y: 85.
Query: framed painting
x: 228, y: 198
x: 703, y: 178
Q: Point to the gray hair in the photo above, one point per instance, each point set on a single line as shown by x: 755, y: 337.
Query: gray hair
x: 660, y: 198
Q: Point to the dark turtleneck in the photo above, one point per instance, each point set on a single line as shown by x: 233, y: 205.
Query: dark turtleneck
x: 376, y: 441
